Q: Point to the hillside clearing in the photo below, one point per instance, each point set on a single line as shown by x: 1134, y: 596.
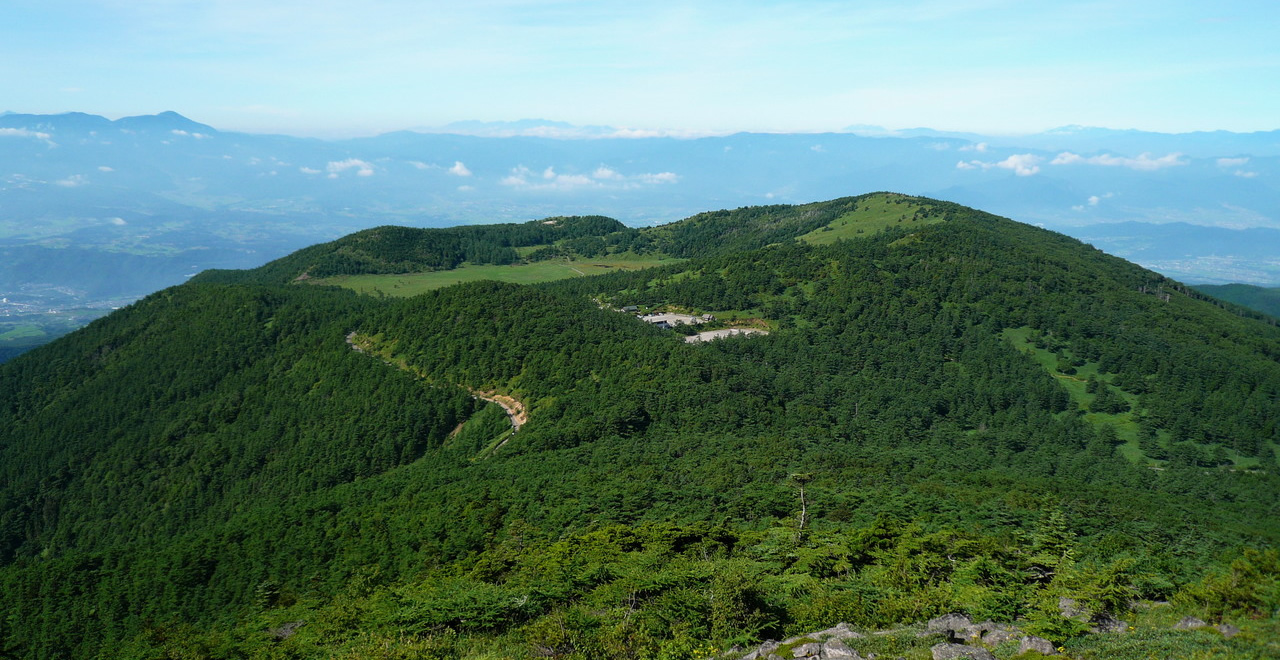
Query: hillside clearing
x: 874, y: 213
x: 412, y: 284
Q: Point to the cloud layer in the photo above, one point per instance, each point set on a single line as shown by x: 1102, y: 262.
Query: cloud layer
x: 362, y: 168
x: 603, y: 177
x: 1143, y: 162
x: 1021, y: 164
x: 1029, y: 164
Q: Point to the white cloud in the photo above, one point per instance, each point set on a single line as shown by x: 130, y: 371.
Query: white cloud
x: 1245, y: 175
x: 1232, y: 162
x: 518, y: 177
x: 1094, y: 199
x: 817, y: 147
x: 362, y: 168
x: 574, y: 180
x: 980, y: 147
x: 198, y: 136
x: 604, y: 177
x: 1021, y: 164
x: 308, y: 170
x: 73, y: 181
x: 105, y: 168
x: 603, y: 172
x: 465, y: 188
x: 660, y: 177
x: 119, y: 222
x: 22, y: 132
x: 459, y: 169
x: 419, y: 164
x: 1143, y: 162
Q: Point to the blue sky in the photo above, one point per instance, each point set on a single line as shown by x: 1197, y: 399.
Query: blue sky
x: 329, y: 68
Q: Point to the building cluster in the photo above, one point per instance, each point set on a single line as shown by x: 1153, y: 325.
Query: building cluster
x: 669, y: 320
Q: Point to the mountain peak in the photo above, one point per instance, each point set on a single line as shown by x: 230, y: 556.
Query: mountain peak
x: 81, y: 122
x: 164, y: 121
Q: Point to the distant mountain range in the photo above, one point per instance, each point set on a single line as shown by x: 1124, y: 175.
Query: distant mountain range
x: 184, y: 196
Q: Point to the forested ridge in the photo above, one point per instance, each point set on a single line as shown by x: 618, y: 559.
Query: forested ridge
x: 1252, y: 297
x: 963, y: 415
x: 392, y: 249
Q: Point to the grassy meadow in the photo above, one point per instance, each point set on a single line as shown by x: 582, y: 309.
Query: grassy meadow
x: 412, y: 284
x: 874, y: 214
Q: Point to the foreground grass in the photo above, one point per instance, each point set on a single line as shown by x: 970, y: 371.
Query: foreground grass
x: 412, y: 284
x: 369, y: 628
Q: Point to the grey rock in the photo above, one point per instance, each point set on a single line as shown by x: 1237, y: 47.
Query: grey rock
x: 765, y: 649
x: 838, y: 649
x: 810, y: 650
x: 955, y: 622
x: 956, y: 651
x: 1227, y: 630
x: 987, y: 626
x: 838, y: 631
x: 1105, y: 623
x: 1189, y: 623
x: 998, y: 637
x: 1038, y: 644
x: 1070, y: 608
x: 287, y: 630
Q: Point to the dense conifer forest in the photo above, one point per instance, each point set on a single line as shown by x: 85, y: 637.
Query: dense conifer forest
x: 951, y: 412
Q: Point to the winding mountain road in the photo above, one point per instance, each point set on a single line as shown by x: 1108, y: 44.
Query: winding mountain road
x: 514, y: 408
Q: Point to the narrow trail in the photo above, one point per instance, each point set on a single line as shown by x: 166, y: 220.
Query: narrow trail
x: 516, y: 412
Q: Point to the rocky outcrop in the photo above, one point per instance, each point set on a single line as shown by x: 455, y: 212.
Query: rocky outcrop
x: 1192, y: 623
x: 964, y: 639
x: 1038, y: 644
x: 829, y: 643
x: 1189, y: 623
x: 961, y: 637
x: 949, y: 651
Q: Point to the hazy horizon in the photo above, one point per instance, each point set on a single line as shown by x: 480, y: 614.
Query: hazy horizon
x: 560, y: 129
x: 995, y: 67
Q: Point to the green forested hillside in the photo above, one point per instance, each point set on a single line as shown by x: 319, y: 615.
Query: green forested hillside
x: 967, y: 414
x: 1261, y: 299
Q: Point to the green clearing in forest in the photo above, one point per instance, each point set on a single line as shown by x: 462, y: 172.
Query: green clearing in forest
x: 874, y: 214
x: 412, y: 284
x: 19, y: 333
x: 1124, y: 423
